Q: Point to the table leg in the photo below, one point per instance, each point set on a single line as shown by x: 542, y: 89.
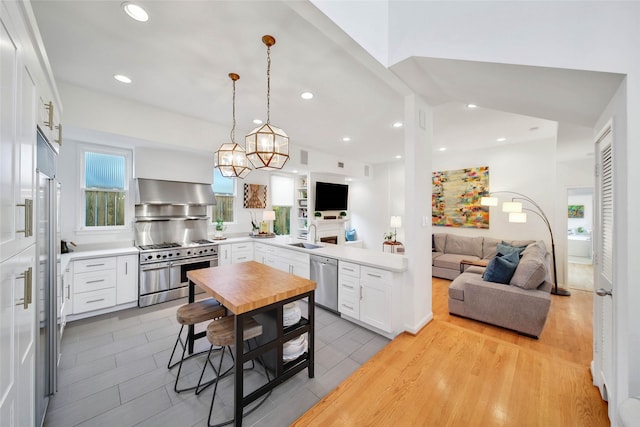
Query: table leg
x: 191, y: 328
x: 312, y: 327
x: 238, y: 371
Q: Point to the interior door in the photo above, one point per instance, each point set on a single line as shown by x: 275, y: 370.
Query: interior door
x: 604, y: 272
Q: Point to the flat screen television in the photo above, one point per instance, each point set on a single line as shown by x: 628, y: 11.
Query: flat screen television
x: 331, y: 197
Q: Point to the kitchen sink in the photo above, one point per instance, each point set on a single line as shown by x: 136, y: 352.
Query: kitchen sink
x: 304, y: 245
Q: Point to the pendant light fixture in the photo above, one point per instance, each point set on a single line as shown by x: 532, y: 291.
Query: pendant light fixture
x: 231, y: 158
x: 267, y: 146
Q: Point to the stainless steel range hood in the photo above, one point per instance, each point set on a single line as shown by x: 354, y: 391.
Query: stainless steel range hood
x: 159, y: 192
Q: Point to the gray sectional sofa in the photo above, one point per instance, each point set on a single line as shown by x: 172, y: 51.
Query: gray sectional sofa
x: 521, y: 305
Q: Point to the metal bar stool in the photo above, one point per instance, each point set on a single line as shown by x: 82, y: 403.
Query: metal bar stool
x: 187, y: 315
x: 221, y: 333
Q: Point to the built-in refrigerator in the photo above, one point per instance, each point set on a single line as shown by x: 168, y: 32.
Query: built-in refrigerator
x: 47, y: 282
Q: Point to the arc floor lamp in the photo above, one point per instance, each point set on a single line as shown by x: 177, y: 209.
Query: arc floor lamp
x: 517, y: 214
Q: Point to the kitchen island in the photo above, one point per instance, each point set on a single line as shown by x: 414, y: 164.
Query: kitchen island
x: 248, y: 289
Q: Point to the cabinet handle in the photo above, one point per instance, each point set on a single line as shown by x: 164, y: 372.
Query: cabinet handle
x: 242, y: 257
x: 95, y: 300
x: 95, y: 265
x: 28, y: 217
x: 95, y: 281
x: 360, y: 292
x: 126, y: 268
x: 28, y: 279
x: 350, y: 307
x: 68, y: 291
x: 347, y: 286
x: 377, y: 276
x: 347, y: 269
x: 59, y: 140
x: 49, y: 108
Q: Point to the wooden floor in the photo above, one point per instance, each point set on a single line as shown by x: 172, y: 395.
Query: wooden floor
x: 459, y: 372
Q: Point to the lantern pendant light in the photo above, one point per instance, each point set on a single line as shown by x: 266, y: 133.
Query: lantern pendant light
x: 267, y: 146
x: 231, y: 158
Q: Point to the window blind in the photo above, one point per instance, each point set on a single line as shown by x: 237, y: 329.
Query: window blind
x: 104, y: 170
x: 281, y: 190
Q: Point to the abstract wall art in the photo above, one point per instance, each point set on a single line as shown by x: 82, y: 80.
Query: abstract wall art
x: 255, y: 196
x: 576, y: 211
x: 456, y: 195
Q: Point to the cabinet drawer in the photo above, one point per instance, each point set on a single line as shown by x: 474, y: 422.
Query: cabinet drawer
x: 94, y: 264
x: 371, y: 274
x: 241, y: 247
x: 94, y: 300
x: 349, y: 307
x: 294, y: 256
x: 92, y: 281
x: 348, y: 268
x: 241, y: 257
x: 349, y: 287
x: 259, y: 247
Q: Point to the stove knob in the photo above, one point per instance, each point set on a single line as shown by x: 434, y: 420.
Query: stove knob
x: 164, y: 256
x: 206, y: 250
x: 200, y: 252
x: 158, y: 256
x: 188, y: 252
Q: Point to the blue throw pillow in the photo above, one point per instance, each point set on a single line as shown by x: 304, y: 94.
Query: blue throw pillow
x: 350, y: 235
x: 506, y: 249
x: 501, y: 268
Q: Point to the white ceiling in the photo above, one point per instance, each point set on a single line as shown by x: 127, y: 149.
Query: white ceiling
x: 179, y: 60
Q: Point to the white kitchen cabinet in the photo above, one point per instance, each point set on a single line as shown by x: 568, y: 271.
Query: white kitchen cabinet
x: 127, y: 279
x: 224, y: 254
x: 241, y: 252
x: 18, y: 331
x: 101, y: 283
x: 288, y: 260
x: 349, y: 289
x: 366, y: 294
x: 17, y: 145
x: 260, y: 252
x: 376, y: 298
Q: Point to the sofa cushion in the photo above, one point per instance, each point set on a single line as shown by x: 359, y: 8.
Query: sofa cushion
x: 489, y: 247
x: 501, y: 268
x: 435, y: 255
x: 532, y: 268
x: 505, y: 248
x: 456, y: 289
x: 463, y: 245
x: 452, y: 261
x: 518, y: 242
x: 439, y: 240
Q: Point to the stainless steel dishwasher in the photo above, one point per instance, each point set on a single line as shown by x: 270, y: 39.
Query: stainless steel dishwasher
x: 324, y: 271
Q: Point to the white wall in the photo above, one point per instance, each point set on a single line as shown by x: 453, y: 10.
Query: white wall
x: 172, y: 165
x: 586, y: 222
x: 527, y: 168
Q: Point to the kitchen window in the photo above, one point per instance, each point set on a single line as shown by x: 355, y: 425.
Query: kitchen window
x: 225, y: 190
x: 281, y: 203
x: 105, y: 178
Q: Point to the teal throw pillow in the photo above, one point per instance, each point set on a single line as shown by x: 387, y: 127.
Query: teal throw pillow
x: 501, y: 268
x: 505, y: 249
x: 350, y: 235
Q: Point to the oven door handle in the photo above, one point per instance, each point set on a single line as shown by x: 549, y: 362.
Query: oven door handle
x: 155, y: 266
x: 194, y: 260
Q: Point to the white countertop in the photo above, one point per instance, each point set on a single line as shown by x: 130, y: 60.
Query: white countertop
x: 95, y: 253
x: 368, y: 257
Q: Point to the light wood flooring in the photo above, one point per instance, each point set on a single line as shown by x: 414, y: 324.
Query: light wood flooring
x: 459, y: 372
x: 580, y: 275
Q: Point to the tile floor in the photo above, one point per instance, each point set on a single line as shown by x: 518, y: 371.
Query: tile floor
x: 113, y: 372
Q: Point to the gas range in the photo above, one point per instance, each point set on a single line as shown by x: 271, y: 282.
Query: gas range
x: 160, y: 252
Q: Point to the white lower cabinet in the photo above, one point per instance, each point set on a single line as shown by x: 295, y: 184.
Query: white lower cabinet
x: 224, y: 254
x: 102, y: 282
x: 288, y: 260
x: 241, y: 252
x: 260, y: 252
x: 18, y: 332
x: 366, y: 294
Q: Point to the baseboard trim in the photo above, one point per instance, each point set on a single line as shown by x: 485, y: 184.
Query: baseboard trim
x: 414, y: 330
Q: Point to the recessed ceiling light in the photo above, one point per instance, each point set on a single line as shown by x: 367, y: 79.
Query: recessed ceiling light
x: 397, y: 125
x: 257, y: 122
x: 472, y: 106
x: 295, y: 171
x: 398, y: 156
x: 501, y: 139
x: 442, y: 149
x: 135, y: 11
x: 306, y: 95
x: 122, y: 78
x: 346, y: 139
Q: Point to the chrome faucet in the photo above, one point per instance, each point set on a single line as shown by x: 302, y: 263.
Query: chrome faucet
x: 315, y: 232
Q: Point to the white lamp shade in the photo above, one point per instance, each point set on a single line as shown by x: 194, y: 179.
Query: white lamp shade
x: 512, y: 207
x: 396, y: 222
x: 518, y: 217
x: 268, y: 216
x: 489, y: 201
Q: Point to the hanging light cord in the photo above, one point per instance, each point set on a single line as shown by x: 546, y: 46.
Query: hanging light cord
x: 233, y: 128
x: 268, y: 81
